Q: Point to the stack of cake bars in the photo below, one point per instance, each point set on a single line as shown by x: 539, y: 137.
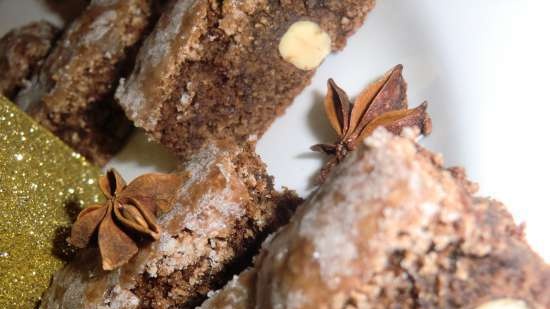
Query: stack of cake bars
x: 390, y: 228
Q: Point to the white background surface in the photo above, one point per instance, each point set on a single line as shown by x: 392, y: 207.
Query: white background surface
x: 482, y: 65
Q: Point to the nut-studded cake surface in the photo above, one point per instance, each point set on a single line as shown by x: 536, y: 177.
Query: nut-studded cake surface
x: 212, y: 69
x: 71, y: 94
x: 224, y: 208
x: 391, y: 228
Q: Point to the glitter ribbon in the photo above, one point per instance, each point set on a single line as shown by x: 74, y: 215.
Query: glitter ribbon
x: 43, y: 184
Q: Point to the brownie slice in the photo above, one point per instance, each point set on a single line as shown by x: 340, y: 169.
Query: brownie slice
x: 22, y: 51
x: 224, y: 209
x: 213, y: 69
x: 391, y: 228
x: 72, y: 93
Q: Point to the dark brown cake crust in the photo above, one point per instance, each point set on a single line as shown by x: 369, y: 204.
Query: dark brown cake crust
x: 21, y: 53
x: 212, y: 69
x: 72, y: 93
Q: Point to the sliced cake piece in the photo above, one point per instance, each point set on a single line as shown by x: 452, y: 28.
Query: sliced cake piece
x: 72, y: 93
x: 21, y: 53
x: 391, y: 228
x: 213, y: 69
x: 224, y: 208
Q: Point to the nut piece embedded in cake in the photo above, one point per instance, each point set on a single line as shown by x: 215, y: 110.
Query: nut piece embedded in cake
x: 216, y: 69
x: 305, y: 45
x: 504, y: 303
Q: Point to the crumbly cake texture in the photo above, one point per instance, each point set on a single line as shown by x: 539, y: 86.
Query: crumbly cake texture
x: 212, y: 69
x: 391, y: 228
x: 71, y: 94
x: 224, y: 209
x: 22, y: 51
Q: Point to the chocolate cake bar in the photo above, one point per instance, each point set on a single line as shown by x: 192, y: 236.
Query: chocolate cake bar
x: 225, y: 207
x: 391, y: 228
x: 21, y: 53
x: 213, y: 69
x: 72, y: 93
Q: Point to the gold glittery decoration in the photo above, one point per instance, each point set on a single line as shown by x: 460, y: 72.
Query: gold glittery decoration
x: 42, y: 181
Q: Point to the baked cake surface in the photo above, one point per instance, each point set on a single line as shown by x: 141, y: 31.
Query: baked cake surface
x: 391, y: 228
x: 21, y: 52
x: 71, y: 94
x: 224, y: 209
x: 213, y: 69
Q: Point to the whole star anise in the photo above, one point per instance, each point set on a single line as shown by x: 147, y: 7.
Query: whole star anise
x: 381, y: 104
x: 128, y: 214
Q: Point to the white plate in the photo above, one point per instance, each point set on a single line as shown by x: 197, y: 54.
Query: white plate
x: 482, y: 65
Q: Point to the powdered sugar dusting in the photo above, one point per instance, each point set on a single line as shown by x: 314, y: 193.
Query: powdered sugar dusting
x: 199, y: 166
x: 235, y: 295
x: 157, y: 48
x: 158, y: 45
x: 296, y: 300
x: 367, y: 179
x: 100, y: 27
x: 209, y: 203
x: 176, y: 252
x: 218, y: 207
x: 374, y: 203
x: 122, y: 299
x: 216, y: 212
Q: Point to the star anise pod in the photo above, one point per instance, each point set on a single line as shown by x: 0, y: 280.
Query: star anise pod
x: 128, y: 214
x: 381, y: 104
